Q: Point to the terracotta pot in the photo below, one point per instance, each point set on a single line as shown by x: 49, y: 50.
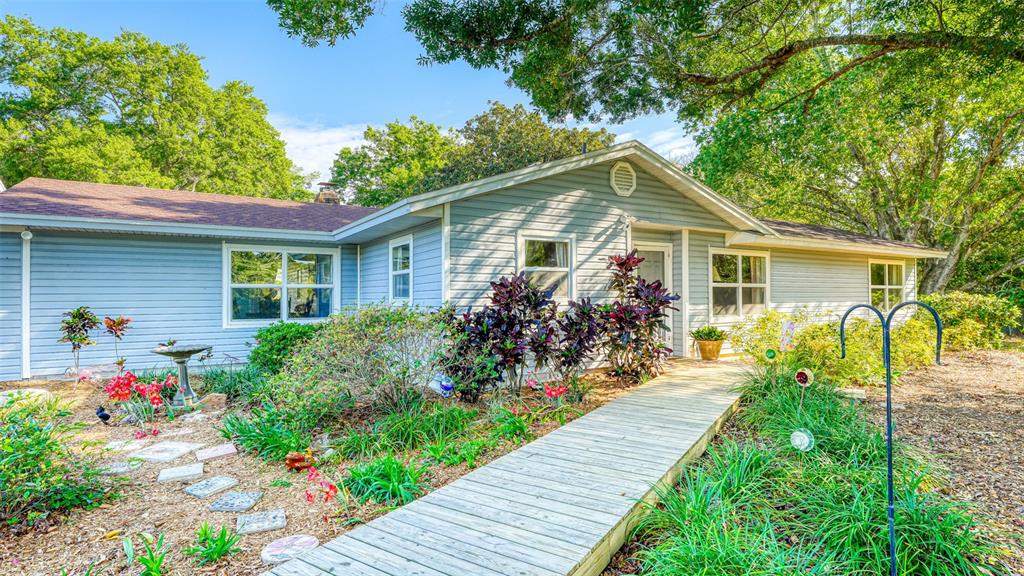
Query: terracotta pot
x: 710, y: 349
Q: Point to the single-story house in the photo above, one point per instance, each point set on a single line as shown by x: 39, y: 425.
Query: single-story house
x: 209, y: 268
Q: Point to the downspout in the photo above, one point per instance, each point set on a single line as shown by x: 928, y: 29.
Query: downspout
x: 26, y: 304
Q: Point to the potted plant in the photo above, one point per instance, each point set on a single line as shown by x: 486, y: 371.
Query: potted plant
x: 709, y: 341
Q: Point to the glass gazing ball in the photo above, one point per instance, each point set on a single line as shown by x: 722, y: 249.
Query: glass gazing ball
x: 804, y: 377
x: 802, y: 439
x: 770, y: 354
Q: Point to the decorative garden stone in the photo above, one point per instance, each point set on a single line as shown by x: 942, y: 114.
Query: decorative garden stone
x: 235, y: 502
x: 121, y: 467
x: 165, y: 451
x: 181, y: 473
x: 211, y: 486
x: 284, y: 549
x: 126, y: 445
x: 218, y: 451
x: 261, y: 522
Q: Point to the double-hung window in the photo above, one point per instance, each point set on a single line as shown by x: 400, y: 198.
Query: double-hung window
x: 547, y: 263
x: 400, y: 285
x: 739, y: 283
x: 886, y: 283
x: 264, y: 285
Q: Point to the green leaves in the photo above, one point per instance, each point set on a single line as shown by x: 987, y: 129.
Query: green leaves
x: 401, y: 160
x: 131, y: 111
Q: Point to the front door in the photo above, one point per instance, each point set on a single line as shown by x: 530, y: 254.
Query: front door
x: 657, y: 265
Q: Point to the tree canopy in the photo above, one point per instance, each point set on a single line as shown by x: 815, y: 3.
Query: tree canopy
x: 131, y: 111
x: 405, y: 159
x: 936, y: 161
x: 615, y: 60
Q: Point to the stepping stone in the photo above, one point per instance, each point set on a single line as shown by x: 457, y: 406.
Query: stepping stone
x: 261, y: 522
x: 210, y: 486
x: 120, y: 468
x: 284, y: 549
x: 235, y: 502
x: 125, y: 445
x: 181, y: 473
x: 165, y: 451
x: 218, y: 451
x: 178, y: 432
x: 194, y: 417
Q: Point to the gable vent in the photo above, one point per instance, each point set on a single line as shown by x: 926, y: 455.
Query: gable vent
x: 623, y: 178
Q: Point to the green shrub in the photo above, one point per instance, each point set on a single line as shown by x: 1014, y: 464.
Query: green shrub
x: 386, y: 480
x: 973, y: 321
x: 509, y: 426
x: 266, y: 432
x: 39, y: 473
x: 380, y: 354
x: 816, y: 345
x: 452, y: 454
x: 277, y: 342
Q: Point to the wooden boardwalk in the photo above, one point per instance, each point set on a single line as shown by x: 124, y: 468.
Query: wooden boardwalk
x: 560, y: 505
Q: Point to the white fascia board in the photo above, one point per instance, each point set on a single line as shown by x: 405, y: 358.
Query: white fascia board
x: 810, y: 244
x: 162, y: 228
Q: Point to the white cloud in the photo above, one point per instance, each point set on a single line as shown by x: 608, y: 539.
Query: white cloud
x: 312, y: 145
x: 672, y: 143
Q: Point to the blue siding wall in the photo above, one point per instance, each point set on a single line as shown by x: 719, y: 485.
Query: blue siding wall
x: 426, y: 264
x: 349, y: 267
x: 10, y: 306
x: 172, y: 288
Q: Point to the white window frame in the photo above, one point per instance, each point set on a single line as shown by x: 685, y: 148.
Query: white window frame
x: 886, y: 287
x: 522, y: 237
x: 392, y: 244
x: 739, y: 285
x: 227, y: 285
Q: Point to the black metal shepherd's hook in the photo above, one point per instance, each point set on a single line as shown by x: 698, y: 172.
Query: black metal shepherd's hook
x: 886, y: 325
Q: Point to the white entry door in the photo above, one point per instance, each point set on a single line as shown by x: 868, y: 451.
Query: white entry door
x: 657, y: 265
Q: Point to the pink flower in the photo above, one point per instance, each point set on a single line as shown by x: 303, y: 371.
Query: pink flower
x: 310, y: 497
x: 84, y: 374
x: 139, y: 434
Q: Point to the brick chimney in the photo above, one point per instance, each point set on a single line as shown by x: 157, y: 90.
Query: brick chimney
x: 327, y: 194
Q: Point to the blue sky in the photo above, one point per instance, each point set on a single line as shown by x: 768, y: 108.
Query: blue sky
x: 320, y: 98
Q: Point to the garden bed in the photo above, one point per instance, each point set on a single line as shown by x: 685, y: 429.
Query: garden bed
x: 753, y: 504
x: 81, y: 539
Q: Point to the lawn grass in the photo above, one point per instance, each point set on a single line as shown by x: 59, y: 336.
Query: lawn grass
x: 758, y: 506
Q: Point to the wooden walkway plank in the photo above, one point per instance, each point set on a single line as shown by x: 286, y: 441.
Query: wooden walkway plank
x: 561, y: 505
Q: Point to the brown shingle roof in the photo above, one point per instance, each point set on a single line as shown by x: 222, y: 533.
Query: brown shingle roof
x: 48, y: 197
x: 816, y: 232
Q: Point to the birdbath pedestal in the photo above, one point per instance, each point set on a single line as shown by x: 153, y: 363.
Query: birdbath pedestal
x: 180, y: 353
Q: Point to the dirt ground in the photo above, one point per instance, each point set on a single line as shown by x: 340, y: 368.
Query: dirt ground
x: 969, y: 413
x: 93, y: 538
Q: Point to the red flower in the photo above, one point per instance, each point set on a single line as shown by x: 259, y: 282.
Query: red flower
x: 120, y: 387
x: 330, y: 491
x: 554, y: 392
x: 154, y: 432
x: 310, y: 497
x: 139, y: 434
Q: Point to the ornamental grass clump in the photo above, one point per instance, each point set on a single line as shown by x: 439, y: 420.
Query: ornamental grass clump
x: 762, y: 507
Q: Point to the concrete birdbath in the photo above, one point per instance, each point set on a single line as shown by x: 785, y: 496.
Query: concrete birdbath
x: 180, y: 353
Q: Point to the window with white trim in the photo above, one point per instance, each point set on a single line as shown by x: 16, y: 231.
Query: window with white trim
x: 885, y: 279
x: 267, y: 285
x: 401, y: 269
x: 547, y: 263
x: 739, y: 283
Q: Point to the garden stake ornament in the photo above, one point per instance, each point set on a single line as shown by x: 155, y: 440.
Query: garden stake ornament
x: 802, y: 439
x: 887, y: 359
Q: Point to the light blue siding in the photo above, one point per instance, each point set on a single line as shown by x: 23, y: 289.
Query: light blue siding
x: 171, y: 288
x: 580, y: 204
x: 426, y: 262
x: 349, y: 267
x: 10, y: 306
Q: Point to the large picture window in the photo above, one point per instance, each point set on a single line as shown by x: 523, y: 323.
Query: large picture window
x: 401, y: 269
x: 739, y: 283
x: 886, y: 283
x: 547, y: 263
x: 266, y: 284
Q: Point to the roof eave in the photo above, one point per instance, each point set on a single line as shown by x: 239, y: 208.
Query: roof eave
x: 72, y: 223
x: 816, y: 244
